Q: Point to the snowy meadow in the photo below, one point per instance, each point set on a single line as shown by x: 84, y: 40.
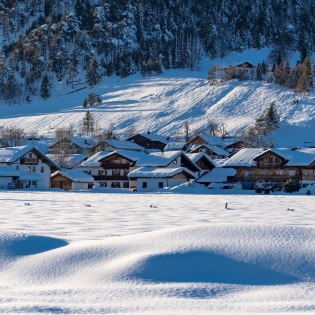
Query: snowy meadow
x: 96, y: 253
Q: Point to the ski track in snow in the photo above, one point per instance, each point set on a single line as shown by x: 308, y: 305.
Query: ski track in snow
x: 185, y: 255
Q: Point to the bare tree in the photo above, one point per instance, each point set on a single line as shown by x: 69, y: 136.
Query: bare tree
x: 11, y: 136
x: 63, y: 132
x: 186, y: 130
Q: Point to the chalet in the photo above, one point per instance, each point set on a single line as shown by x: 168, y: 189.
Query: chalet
x: 172, y: 168
x: 215, y: 152
x: 273, y: 166
x: 110, y: 169
x: 71, y: 145
x: 204, y: 161
x: 233, y: 144
x: 150, y: 141
x: 205, y: 139
x: 115, y: 145
x: 71, y: 180
x: 25, y: 167
x: 152, y: 178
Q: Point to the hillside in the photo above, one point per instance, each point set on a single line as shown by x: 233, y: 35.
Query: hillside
x: 163, y: 103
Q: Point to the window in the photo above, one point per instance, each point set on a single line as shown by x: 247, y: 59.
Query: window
x: 144, y: 185
x: 100, y: 173
x: 29, y: 168
x: 34, y: 183
x: 277, y: 160
x: 279, y: 172
x: 126, y: 185
x: 161, y: 184
x: 34, y: 169
x: 175, y: 162
x: 291, y: 172
x: 116, y: 172
x: 305, y: 172
x: 115, y: 184
x: 42, y: 169
x: 18, y: 167
x: 30, y: 155
x: 248, y: 173
x: 103, y: 184
x: 270, y: 160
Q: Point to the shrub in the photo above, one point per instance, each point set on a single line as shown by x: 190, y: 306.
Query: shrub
x: 292, y: 185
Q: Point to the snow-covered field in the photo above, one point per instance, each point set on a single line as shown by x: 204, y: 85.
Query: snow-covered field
x: 87, y: 253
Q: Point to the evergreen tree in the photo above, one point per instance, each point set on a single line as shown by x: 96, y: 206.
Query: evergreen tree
x: 93, y: 74
x: 44, y: 87
x: 259, y: 76
x: 88, y: 123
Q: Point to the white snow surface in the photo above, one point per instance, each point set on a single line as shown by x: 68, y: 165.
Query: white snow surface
x: 163, y: 103
x: 156, y: 254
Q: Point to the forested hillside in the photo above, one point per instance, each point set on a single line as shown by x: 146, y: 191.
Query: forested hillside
x: 78, y: 42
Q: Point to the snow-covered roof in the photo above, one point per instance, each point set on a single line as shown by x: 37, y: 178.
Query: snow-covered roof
x: 95, y: 160
x: 217, y: 175
x: 70, y: 161
x: 244, y: 157
x: 124, y: 145
x: 11, y: 154
x: 163, y: 172
x: 158, y: 158
x: 195, y: 157
x: 155, y: 137
x: 75, y: 176
x: 213, y: 140
x: 8, y: 171
x: 82, y: 142
x: 294, y: 157
x: 214, y: 148
x: 174, y: 146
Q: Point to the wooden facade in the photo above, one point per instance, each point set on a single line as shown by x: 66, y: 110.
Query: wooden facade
x: 147, y: 143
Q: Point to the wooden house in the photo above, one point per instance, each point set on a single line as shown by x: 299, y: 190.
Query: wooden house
x: 150, y: 141
x: 71, y: 180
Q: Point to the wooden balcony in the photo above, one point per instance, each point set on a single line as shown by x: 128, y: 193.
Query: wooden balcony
x: 267, y: 179
x: 111, y: 177
x: 112, y: 166
x: 29, y: 161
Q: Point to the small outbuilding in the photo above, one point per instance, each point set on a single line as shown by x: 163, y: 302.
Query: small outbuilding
x: 71, y: 180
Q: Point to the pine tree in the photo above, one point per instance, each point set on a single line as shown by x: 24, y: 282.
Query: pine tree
x: 259, y: 73
x: 88, y: 123
x: 44, y: 87
x: 93, y: 75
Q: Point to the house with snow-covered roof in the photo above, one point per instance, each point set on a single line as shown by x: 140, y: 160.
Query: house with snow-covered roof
x: 215, y: 152
x: 71, y: 180
x: 71, y: 145
x: 110, y: 169
x: 204, y: 138
x: 162, y: 169
x: 25, y: 167
x: 275, y: 166
x: 68, y: 161
x: 204, y: 161
x: 150, y: 141
x: 153, y: 178
x: 115, y: 145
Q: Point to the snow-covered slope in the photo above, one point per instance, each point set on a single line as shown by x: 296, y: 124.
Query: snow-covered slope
x: 163, y: 103
x: 177, y: 257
